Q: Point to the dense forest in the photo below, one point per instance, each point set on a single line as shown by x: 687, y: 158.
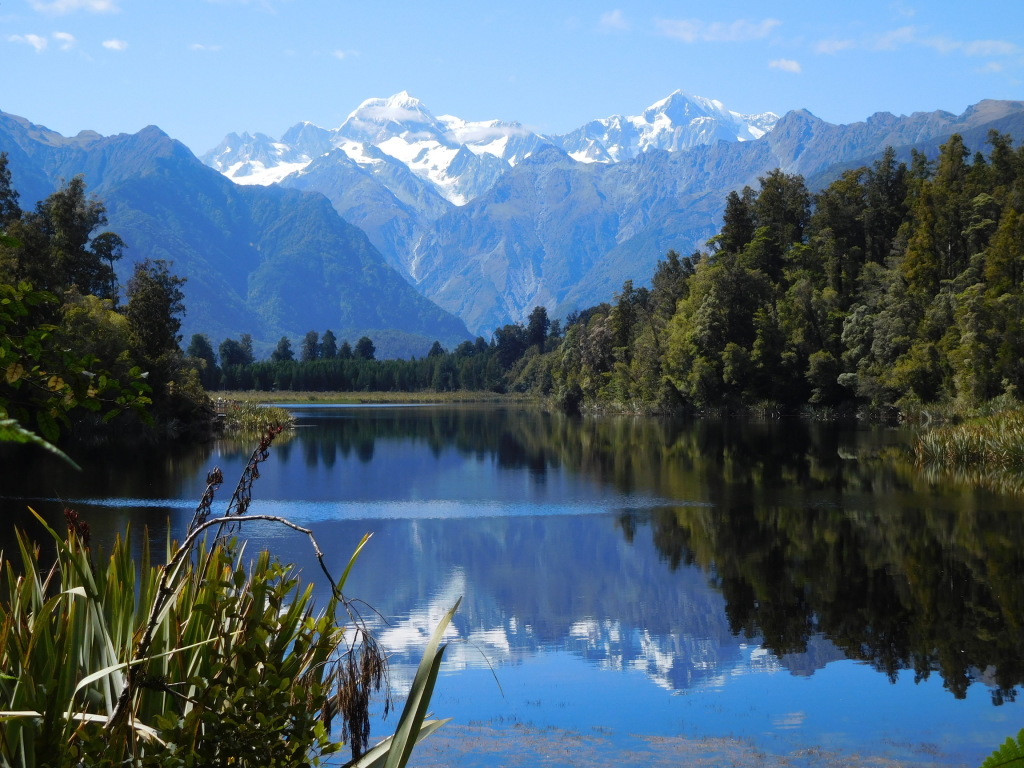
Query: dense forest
x: 71, y: 351
x: 895, y: 286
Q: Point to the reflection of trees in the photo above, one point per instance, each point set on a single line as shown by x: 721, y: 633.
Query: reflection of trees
x: 30, y: 477
x: 893, y: 567
x: 904, y: 589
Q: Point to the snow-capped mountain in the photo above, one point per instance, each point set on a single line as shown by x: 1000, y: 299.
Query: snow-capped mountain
x: 676, y: 123
x: 461, y: 159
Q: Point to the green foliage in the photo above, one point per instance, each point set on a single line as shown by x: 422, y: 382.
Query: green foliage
x: 70, y: 357
x: 44, y: 381
x: 253, y: 419
x: 1009, y: 755
x: 57, y: 248
x: 994, y: 441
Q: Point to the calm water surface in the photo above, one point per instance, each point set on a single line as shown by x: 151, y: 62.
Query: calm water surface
x: 632, y: 587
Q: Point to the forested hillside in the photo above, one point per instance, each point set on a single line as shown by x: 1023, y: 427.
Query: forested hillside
x: 897, y: 284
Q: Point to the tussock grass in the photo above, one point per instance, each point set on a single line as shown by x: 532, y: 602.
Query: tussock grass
x: 251, y: 418
x: 994, y: 441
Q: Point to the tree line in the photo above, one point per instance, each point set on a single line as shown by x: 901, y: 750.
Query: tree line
x: 324, y: 365
x: 897, y: 285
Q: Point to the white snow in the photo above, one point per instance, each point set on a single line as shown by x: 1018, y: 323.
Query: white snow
x: 252, y: 172
x: 402, y: 127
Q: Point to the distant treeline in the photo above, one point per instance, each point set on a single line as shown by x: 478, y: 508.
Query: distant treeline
x: 897, y: 285
x: 322, y: 365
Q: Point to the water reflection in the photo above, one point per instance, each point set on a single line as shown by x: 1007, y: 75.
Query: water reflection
x: 690, y: 553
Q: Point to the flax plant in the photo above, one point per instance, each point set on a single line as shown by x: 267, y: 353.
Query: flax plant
x: 205, y: 660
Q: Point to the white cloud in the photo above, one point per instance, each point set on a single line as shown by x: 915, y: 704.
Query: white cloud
x: 833, y: 46
x: 989, y: 48
x: 694, y: 30
x: 340, y: 54
x: 201, y: 47
x: 37, y: 42
x: 65, y: 40
x: 895, y: 38
x: 614, y: 21
x: 60, y: 7
x: 115, y: 45
x: 786, y: 65
x: 904, y: 36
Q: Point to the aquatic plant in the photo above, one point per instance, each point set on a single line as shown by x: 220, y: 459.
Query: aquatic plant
x: 206, y: 659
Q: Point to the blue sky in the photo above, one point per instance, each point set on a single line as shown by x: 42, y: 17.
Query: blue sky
x: 201, y: 68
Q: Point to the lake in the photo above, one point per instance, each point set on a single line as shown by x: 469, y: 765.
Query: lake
x: 636, y: 591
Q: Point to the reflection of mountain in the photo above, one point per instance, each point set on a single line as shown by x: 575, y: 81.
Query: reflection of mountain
x: 567, y: 583
x: 797, y: 540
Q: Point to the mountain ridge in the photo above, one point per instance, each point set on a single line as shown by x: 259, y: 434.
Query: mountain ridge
x: 269, y: 261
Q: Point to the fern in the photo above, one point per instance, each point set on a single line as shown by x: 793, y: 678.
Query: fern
x: 1009, y: 755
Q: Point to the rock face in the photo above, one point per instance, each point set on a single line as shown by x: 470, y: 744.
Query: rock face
x: 262, y: 260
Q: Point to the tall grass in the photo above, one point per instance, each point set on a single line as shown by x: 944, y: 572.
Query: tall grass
x: 251, y: 418
x: 205, y: 660
x: 995, y: 441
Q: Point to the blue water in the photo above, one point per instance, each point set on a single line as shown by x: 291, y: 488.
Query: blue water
x: 585, y: 608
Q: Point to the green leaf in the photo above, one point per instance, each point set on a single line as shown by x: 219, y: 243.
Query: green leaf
x: 1009, y: 755
x: 12, y: 432
x: 415, y: 711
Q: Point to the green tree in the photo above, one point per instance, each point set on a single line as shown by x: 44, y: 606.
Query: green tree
x: 537, y: 327
x: 782, y: 209
x: 283, y: 352
x: 245, y: 340
x: 232, y: 353
x: 57, y: 246
x: 155, y: 307
x: 200, y: 348
x: 328, y: 345
x: 738, y: 222
x: 44, y: 383
x: 310, y: 347
x: 9, y: 209
x: 364, y: 349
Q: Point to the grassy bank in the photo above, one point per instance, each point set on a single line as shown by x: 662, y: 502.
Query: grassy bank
x: 333, y: 398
